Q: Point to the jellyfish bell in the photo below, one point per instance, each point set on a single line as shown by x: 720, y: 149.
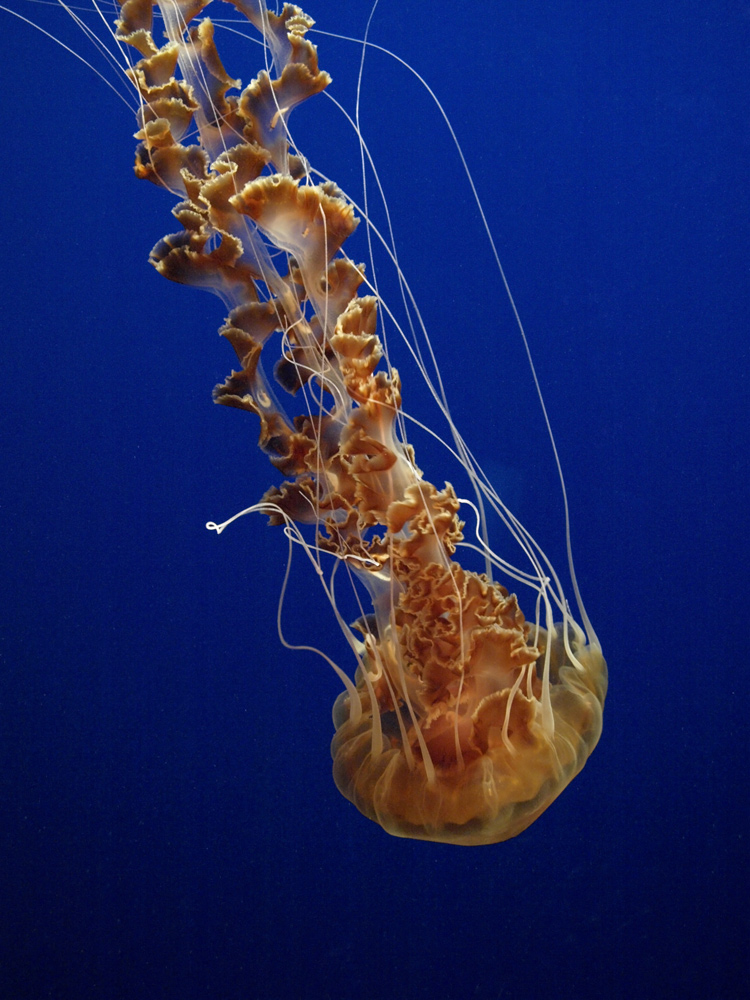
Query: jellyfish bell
x: 464, y: 719
x: 474, y: 768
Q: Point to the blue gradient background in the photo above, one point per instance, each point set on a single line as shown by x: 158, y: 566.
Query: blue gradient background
x: 168, y: 823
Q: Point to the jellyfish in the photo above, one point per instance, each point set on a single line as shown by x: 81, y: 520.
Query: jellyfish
x: 464, y: 719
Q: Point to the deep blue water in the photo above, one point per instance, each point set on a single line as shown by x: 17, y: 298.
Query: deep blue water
x: 169, y: 824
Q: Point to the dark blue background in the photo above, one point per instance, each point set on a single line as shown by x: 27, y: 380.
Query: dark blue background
x: 169, y: 824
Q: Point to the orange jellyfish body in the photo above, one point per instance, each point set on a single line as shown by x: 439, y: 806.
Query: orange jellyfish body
x: 464, y: 721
